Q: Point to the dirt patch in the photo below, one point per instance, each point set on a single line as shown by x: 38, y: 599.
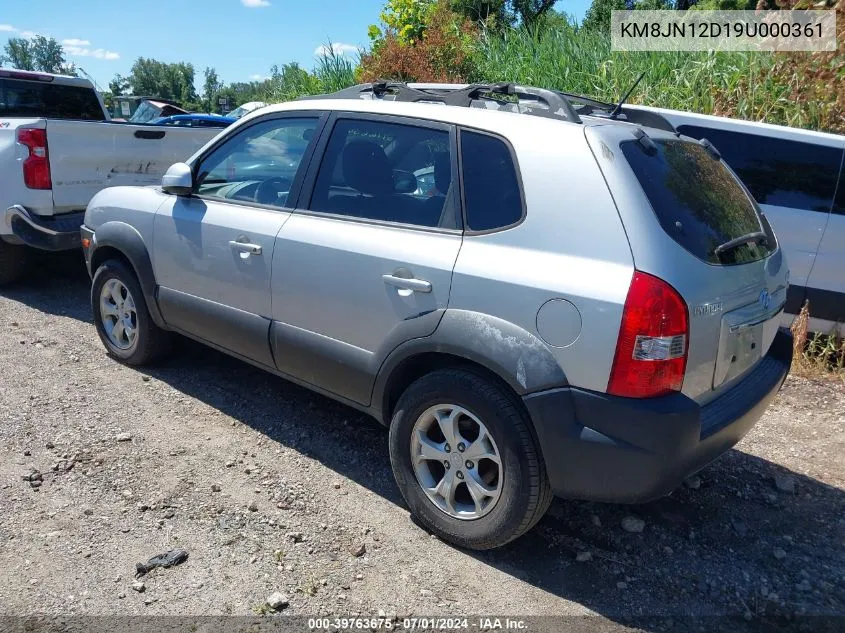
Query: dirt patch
x: 272, y: 489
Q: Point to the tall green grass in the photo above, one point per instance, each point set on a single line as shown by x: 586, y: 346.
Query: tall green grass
x: 333, y: 72
x: 741, y: 85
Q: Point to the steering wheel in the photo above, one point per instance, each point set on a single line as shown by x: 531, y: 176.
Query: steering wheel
x: 267, y: 191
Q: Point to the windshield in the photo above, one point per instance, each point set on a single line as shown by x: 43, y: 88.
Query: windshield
x: 145, y: 113
x: 698, y: 201
x: 245, y: 109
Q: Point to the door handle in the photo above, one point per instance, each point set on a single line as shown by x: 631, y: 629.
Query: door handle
x: 246, y: 247
x: 414, y: 285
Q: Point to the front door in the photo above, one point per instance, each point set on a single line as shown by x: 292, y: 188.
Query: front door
x: 366, y: 262
x: 213, y: 250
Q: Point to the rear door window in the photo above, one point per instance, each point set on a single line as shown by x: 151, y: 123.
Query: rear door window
x: 387, y: 171
x: 697, y: 200
x: 778, y: 172
x: 52, y: 101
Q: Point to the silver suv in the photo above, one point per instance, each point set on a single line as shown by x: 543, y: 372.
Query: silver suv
x: 567, y: 304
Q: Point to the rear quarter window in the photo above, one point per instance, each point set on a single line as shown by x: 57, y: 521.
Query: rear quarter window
x: 52, y: 101
x: 778, y: 172
x: 696, y: 199
x: 492, y: 197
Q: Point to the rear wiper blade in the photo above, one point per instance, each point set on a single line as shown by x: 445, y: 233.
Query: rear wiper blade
x: 758, y: 237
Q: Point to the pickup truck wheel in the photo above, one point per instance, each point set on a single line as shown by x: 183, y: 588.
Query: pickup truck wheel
x: 121, y: 316
x: 13, y: 262
x: 465, y: 460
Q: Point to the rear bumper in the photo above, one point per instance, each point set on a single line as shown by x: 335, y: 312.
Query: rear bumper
x: 53, y: 233
x: 624, y: 450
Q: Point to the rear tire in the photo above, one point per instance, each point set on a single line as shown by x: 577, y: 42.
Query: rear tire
x: 122, y: 318
x: 14, y: 259
x: 515, y: 494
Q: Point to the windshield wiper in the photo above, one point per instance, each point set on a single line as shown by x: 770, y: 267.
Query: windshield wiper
x: 758, y: 237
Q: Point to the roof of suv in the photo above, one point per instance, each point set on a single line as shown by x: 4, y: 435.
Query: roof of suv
x: 542, y: 107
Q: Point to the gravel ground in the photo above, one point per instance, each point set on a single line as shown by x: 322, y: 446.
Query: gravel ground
x: 271, y: 488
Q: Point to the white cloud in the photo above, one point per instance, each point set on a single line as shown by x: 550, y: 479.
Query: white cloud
x: 96, y: 53
x: 254, y: 4
x: 338, y: 47
x: 29, y: 34
x: 8, y: 28
x: 258, y: 77
x: 75, y: 42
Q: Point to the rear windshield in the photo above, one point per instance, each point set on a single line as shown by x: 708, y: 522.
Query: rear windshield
x: 698, y: 202
x: 50, y: 101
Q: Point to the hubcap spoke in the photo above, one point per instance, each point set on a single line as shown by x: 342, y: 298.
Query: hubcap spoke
x: 430, y: 450
x: 446, y: 490
x: 108, y: 309
x: 482, y: 448
x: 119, y: 331
x: 448, y: 422
x: 479, y: 491
x: 115, y: 288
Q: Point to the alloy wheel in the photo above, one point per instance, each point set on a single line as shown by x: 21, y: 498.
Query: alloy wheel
x: 456, y: 461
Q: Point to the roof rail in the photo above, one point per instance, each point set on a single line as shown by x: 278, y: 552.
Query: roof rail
x: 501, y: 96
x: 596, y: 108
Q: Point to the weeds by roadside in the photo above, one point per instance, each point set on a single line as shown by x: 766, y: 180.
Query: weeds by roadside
x: 816, y: 355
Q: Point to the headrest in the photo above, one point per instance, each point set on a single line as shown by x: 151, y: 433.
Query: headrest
x: 366, y: 168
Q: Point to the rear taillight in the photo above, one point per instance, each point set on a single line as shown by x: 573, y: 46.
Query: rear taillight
x: 651, y: 353
x: 36, y: 167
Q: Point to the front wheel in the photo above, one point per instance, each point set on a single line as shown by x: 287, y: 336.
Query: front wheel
x: 121, y: 316
x: 465, y: 460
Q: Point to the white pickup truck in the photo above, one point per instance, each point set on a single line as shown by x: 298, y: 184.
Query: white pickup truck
x: 57, y: 149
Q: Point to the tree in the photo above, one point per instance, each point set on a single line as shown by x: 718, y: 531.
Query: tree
x: 530, y: 11
x: 119, y: 85
x: 150, y: 77
x: 211, y: 86
x: 44, y: 54
x: 491, y: 13
x: 502, y: 13
x: 19, y: 54
x: 49, y: 56
x: 597, y: 17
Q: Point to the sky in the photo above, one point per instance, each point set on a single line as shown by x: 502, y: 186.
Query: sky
x: 241, y: 39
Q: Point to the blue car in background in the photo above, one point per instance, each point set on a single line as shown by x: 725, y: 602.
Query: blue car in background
x: 194, y: 120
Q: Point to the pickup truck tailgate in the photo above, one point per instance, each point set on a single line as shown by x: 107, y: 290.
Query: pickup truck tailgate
x: 87, y: 157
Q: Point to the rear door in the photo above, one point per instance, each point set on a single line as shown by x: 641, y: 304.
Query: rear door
x: 691, y: 223
x: 213, y: 251
x: 365, y: 262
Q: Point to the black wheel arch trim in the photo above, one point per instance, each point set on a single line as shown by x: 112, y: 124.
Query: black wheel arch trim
x: 516, y: 356
x: 126, y: 239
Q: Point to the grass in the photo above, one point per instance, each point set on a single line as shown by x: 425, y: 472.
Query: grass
x: 816, y: 355
x: 742, y: 84
x: 333, y: 72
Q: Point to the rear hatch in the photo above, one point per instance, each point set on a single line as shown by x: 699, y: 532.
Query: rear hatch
x: 691, y: 223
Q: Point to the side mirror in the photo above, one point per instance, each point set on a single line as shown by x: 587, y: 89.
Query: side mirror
x: 178, y: 180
